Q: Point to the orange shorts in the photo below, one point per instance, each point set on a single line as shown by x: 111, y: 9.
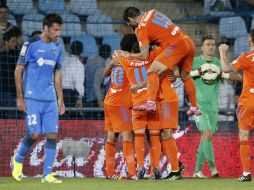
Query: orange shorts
x: 181, y: 54
x: 117, y: 118
x: 169, y: 115
x: 245, y: 116
x: 145, y: 119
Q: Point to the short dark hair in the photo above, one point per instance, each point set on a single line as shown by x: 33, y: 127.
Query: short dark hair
x: 76, y: 47
x: 2, y: 6
x: 36, y: 32
x: 207, y: 37
x: 131, y: 12
x: 252, y: 35
x: 9, y: 34
x: 136, y: 48
x: 128, y: 41
x: 52, y: 18
x: 105, y: 51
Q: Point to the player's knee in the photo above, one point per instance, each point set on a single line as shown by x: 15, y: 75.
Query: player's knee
x: 154, y: 132
x: 166, y: 134
x: 140, y: 132
x: 157, y: 67
x: 51, y: 136
x: 128, y: 136
x: 244, y: 134
x: 28, y: 140
x: 111, y: 137
x: 207, y: 135
x: 35, y: 136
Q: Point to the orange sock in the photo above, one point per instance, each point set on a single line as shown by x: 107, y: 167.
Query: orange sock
x: 151, y: 159
x: 128, y: 151
x: 155, y: 149
x: 169, y: 148
x: 152, y: 86
x: 140, y: 149
x: 110, y: 150
x: 190, y: 90
x: 245, y: 154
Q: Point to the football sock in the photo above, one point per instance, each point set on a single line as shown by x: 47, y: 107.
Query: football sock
x: 50, y: 154
x: 190, y: 90
x: 209, y: 153
x: 25, y: 146
x: 128, y: 151
x: 200, y: 158
x: 245, y: 152
x: 155, y: 148
x: 169, y: 148
x: 140, y: 149
x: 152, y: 86
x: 110, y: 151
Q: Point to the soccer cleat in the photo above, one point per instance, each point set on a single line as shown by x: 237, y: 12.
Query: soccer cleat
x: 50, y: 179
x: 114, y: 177
x: 134, y: 177
x: 193, y: 111
x: 244, y: 178
x: 157, y: 173
x: 181, y: 167
x: 141, y: 173
x: 147, y: 106
x: 215, y: 172
x: 16, y: 169
x: 199, y: 175
x: 174, y: 176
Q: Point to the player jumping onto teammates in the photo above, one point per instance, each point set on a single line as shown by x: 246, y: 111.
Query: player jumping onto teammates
x: 178, y: 50
x: 245, y: 110
x: 40, y: 97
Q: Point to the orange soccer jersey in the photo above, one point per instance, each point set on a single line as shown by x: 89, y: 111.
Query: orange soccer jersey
x: 117, y: 102
x: 245, y: 111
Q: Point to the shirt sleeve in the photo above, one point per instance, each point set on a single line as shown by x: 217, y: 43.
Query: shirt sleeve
x: 24, y: 54
x: 143, y: 39
x: 239, y: 63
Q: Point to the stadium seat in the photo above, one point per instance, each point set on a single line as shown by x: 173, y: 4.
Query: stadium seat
x: 84, y: 7
x: 113, y: 41
x: 71, y: 25
x: 49, y: 6
x: 90, y: 47
x: 20, y: 7
x: 232, y: 27
x: 31, y: 22
x: 100, y: 25
x: 241, y: 45
x: 12, y: 20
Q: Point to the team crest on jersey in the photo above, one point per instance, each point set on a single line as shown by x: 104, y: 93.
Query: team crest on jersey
x: 53, y: 51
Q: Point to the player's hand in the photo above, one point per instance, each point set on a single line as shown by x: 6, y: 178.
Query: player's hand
x: 79, y: 103
x: 171, y: 76
x: 134, y: 88
x: 61, y: 107
x: 21, y: 104
x: 223, y: 48
x: 123, y: 53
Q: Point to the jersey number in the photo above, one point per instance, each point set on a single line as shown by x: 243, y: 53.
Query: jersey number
x: 162, y: 20
x: 31, y: 119
x: 140, y: 72
x: 117, y: 76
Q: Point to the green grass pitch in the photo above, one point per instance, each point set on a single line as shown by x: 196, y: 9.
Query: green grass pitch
x: 102, y: 184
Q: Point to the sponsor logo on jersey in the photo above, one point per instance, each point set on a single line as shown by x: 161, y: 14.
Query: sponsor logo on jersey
x: 138, y: 63
x: 42, y: 62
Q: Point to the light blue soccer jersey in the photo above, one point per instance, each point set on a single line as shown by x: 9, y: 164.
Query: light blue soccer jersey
x: 40, y: 60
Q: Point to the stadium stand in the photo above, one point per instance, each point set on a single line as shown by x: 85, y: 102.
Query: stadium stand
x: 20, y: 7
x: 48, y: 6
x: 31, y: 22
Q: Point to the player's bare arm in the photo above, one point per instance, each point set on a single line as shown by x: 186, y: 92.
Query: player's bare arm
x: 59, y: 92
x: 18, y: 81
x: 224, y: 62
x: 107, y: 70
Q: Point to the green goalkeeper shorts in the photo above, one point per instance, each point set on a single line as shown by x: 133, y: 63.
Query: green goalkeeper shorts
x: 208, y: 120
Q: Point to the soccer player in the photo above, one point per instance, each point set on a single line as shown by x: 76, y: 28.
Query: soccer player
x: 39, y: 95
x: 142, y: 120
x: 245, y: 110
x: 208, y: 102
x: 178, y: 49
x: 117, y: 110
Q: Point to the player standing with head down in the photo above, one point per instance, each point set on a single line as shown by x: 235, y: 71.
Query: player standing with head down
x: 39, y: 95
x: 245, y: 110
x: 178, y: 50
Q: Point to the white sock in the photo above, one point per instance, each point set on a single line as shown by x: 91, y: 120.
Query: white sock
x: 246, y: 173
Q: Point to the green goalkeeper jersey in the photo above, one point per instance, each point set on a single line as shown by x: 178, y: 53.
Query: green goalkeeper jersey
x: 207, y: 94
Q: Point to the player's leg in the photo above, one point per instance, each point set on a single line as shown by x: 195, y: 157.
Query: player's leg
x: 50, y: 129
x: 33, y: 130
x: 245, y: 124
x: 129, y: 153
x: 185, y: 68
